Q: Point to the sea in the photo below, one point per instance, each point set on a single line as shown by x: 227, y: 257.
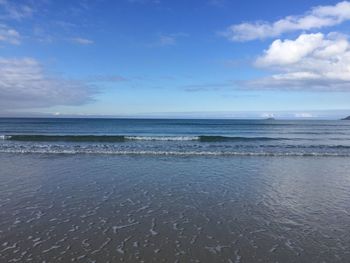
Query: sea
x: 174, y: 190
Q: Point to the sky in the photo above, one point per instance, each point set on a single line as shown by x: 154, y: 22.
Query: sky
x: 162, y: 58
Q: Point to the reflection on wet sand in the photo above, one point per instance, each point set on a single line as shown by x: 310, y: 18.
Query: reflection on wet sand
x: 150, y: 209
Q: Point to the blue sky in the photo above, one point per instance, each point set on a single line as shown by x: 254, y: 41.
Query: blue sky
x: 175, y: 58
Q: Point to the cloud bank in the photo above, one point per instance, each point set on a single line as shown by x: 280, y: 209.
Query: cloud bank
x: 25, y: 84
x: 317, y: 18
x: 310, y: 62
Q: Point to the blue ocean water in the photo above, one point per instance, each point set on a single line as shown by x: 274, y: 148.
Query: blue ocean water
x: 176, y: 137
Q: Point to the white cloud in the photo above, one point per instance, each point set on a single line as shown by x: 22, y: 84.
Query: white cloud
x: 310, y: 62
x: 9, y: 35
x: 318, y: 17
x: 304, y: 115
x: 12, y: 10
x: 290, y: 51
x: 25, y: 84
x: 82, y: 41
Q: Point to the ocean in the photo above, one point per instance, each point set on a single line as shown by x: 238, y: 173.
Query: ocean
x: 142, y: 190
x: 176, y: 137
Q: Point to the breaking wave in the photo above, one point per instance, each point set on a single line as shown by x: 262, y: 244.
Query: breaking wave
x: 123, y: 138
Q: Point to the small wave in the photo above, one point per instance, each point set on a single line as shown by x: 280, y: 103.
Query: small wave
x: 122, y: 138
x: 65, y: 138
x: 208, y: 138
x: 162, y: 138
x: 5, y: 137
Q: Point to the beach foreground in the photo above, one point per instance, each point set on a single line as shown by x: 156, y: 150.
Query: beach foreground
x: 107, y: 208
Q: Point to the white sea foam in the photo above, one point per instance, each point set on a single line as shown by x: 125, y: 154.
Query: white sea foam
x: 169, y: 153
x: 162, y: 138
x: 5, y: 137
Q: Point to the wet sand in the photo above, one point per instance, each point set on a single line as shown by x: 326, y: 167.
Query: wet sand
x: 93, y: 208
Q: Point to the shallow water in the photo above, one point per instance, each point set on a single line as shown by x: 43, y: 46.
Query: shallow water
x: 107, y: 208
